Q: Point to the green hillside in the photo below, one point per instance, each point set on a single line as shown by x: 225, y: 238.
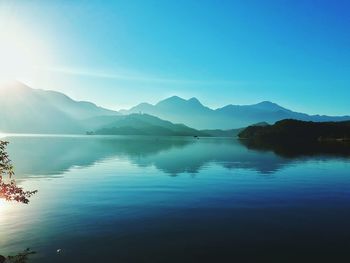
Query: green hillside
x: 144, y: 124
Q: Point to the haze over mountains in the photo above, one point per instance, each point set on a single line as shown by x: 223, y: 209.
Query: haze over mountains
x: 192, y: 113
x: 27, y: 110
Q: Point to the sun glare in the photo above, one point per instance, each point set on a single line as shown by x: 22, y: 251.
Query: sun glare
x: 20, y: 54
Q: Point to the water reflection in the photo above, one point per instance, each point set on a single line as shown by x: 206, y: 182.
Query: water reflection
x: 297, y: 149
x: 119, y: 211
x: 8, y: 187
x: 9, y: 191
x: 172, y: 155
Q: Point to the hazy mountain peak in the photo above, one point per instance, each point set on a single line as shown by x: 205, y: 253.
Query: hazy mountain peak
x: 144, y: 104
x: 12, y: 86
x: 266, y: 102
x: 268, y: 105
x: 194, y: 100
x: 178, y: 101
x: 171, y: 100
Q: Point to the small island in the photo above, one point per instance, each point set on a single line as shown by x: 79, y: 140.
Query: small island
x: 295, y: 130
x: 292, y: 138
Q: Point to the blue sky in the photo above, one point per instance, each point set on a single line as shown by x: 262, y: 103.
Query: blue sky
x: 119, y: 53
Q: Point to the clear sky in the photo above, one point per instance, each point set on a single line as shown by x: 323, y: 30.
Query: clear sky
x: 119, y: 53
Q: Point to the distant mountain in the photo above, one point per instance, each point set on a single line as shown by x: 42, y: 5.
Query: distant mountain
x: 27, y: 110
x: 175, y: 109
x: 144, y: 124
x: 194, y: 114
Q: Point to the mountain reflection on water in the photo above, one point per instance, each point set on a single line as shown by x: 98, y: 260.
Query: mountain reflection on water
x: 172, y: 155
x: 48, y: 155
x: 297, y: 149
x: 174, y: 199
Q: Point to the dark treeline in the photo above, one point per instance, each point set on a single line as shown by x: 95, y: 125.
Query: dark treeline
x: 294, y: 130
x: 293, y: 138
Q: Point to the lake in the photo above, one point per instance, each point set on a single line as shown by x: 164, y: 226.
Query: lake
x: 173, y: 199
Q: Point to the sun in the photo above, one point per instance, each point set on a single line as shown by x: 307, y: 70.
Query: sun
x: 14, y: 61
x: 21, y: 53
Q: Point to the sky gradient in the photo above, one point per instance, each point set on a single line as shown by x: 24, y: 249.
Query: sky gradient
x: 119, y: 53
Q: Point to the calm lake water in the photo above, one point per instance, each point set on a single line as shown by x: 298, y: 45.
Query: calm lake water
x: 148, y: 199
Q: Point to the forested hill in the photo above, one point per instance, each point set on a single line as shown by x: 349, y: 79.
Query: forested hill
x: 294, y: 130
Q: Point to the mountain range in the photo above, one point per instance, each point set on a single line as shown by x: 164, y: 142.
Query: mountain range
x: 194, y: 114
x: 27, y: 110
